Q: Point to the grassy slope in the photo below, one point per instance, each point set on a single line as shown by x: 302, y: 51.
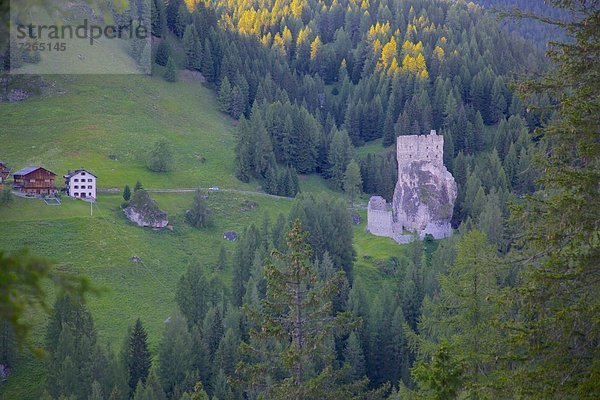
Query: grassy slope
x: 373, y: 147
x: 101, y: 245
x: 123, y: 116
x: 98, y: 116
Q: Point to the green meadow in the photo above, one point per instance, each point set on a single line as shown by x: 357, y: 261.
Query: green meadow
x: 109, y: 126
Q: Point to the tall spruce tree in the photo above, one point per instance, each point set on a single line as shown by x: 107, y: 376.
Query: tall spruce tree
x: 354, y: 357
x: 199, y: 216
x: 170, y: 74
x: 71, y: 343
x: 463, y: 316
x: 557, y: 300
x: 340, y: 154
x: 139, y: 358
x: 352, y: 181
x: 158, y: 18
x: 126, y: 193
x: 225, y: 96
x: 192, y: 48
x: 208, y: 63
x: 175, y: 355
x: 163, y: 53
x: 297, y: 315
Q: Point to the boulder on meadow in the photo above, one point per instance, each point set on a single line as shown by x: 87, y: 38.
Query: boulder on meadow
x: 144, y: 211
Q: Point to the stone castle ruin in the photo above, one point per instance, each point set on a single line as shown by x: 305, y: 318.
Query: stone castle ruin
x: 424, y: 195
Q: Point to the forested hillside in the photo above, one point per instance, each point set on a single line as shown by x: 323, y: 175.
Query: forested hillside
x: 538, y: 32
x: 311, y: 80
x: 505, y: 308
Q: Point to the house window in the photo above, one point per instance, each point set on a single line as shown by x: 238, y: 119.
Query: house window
x: 76, y: 194
x: 32, y: 180
x: 46, y: 180
x: 89, y: 180
x: 83, y: 173
x: 89, y: 194
x: 89, y: 187
x: 76, y: 180
x: 76, y: 187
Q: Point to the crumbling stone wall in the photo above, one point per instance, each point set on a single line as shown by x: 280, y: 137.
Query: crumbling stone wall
x: 412, y: 148
x: 379, y: 218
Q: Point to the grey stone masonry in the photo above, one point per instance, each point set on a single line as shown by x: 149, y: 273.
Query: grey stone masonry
x: 424, y: 195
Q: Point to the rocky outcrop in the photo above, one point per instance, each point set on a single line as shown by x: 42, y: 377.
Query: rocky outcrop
x: 424, y: 199
x: 144, y: 211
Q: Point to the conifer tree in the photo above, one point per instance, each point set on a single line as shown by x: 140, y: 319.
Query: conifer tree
x: 263, y: 147
x: 278, y: 233
x: 248, y: 243
x: 158, y: 18
x: 389, y: 131
x: 175, y: 354
x: 354, y: 357
x: 297, y: 315
x: 244, y: 156
x: 271, y: 184
x: 294, y: 182
x: 340, y: 154
x: 208, y: 64
x: 557, y: 300
x: 352, y: 181
x: 163, y: 53
x: 71, y: 344
x: 237, y: 102
x: 192, y: 48
x: 126, y: 193
x: 222, y: 261
x: 461, y: 315
x: 491, y: 220
x: 224, y: 97
x: 170, y: 71
x: 139, y: 359
x: 441, y: 379
x: 96, y: 393
x: 183, y: 19
x: 199, y: 215
x: 140, y: 391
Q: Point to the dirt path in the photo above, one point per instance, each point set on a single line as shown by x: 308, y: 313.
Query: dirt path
x: 191, y: 190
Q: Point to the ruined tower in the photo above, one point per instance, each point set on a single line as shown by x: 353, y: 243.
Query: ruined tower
x: 424, y: 195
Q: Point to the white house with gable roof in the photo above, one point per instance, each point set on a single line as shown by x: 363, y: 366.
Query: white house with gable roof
x: 81, y: 184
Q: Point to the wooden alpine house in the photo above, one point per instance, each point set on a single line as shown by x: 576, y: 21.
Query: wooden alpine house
x: 35, y: 181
